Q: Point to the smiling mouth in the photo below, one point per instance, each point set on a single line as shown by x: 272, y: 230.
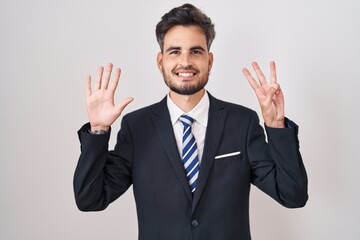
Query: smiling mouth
x: 185, y: 74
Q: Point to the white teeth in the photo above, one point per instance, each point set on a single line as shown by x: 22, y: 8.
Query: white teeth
x: 186, y: 74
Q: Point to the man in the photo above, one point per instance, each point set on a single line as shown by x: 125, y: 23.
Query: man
x: 190, y: 158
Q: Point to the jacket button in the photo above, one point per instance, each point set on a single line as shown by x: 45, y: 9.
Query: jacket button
x: 194, y: 223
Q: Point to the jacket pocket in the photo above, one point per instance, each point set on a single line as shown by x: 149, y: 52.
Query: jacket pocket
x: 226, y: 155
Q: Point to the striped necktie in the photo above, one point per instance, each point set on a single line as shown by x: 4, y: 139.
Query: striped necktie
x: 190, y: 157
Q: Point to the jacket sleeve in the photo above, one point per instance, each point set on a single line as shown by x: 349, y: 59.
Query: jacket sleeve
x: 101, y: 176
x: 276, y: 166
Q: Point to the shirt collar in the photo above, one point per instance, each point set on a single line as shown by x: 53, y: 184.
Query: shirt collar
x: 199, y: 113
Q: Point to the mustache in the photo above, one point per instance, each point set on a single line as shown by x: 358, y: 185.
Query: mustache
x: 187, y: 68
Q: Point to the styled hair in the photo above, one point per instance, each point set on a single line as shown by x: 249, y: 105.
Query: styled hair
x: 185, y: 15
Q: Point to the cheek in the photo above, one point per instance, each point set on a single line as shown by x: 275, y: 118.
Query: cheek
x: 205, y: 69
x: 168, y: 67
x: 204, y: 64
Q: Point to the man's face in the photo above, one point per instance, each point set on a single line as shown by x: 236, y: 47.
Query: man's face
x: 185, y: 61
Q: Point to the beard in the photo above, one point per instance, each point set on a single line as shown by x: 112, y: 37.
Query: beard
x: 185, y: 89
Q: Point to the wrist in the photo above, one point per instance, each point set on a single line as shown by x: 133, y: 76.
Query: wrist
x: 94, y: 129
x: 276, y: 124
x: 97, y: 132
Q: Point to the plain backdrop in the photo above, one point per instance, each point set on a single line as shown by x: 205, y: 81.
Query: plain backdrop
x: 48, y: 47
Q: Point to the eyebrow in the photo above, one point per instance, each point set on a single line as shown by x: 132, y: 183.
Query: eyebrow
x: 171, y: 48
x: 197, y: 48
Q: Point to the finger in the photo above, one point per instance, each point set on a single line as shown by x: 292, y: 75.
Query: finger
x: 124, y: 103
x: 99, y: 77
x: 259, y: 91
x: 273, y: 90
x: 279, y: 96
x: 115, y: 81
x: 254, y: 84
x: 273, y: 78
x: 105, y: 81
x: 88, y: 85
x: 269, y: 96
x: 259, y: 73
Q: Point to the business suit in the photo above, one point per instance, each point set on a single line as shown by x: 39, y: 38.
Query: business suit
x: 147, y: 157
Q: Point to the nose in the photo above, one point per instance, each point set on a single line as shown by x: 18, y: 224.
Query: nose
x: 185, y: 60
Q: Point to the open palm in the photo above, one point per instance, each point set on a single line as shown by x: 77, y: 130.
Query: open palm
x: 100, y: 104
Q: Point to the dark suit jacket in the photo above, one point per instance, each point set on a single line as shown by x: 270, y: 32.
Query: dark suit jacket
x: 146, y: 156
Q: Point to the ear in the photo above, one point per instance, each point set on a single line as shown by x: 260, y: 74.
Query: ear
x: 159, y: 61
x: 211, y: 60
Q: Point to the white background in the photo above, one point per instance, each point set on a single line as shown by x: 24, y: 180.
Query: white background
x: 48, y: 47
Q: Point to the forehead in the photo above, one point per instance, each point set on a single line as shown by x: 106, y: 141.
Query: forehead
x: 185, y: 36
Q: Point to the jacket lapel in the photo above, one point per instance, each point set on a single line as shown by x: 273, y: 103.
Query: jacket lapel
x: 216, y: 121
x: 164, y: 129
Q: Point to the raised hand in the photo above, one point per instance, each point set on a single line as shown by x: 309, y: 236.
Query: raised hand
x: 270, y: 96
x: 100, y: 102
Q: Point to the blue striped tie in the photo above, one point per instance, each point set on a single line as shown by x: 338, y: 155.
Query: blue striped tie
x: 190, y: 157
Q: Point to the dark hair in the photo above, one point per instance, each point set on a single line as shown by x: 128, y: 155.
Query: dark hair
x: 185, y: 15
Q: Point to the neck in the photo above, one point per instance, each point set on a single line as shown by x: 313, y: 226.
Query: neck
x: 187, y: 102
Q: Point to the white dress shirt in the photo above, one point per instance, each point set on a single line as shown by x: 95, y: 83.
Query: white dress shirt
x: 199, y: 113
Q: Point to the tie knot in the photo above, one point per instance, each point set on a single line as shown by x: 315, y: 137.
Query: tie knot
x: 186, y: 120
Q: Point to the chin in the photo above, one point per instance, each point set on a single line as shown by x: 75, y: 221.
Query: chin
x: 186, y: 91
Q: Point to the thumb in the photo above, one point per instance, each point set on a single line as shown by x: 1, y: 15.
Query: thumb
x: 120, y: 107
x: 274, y: 87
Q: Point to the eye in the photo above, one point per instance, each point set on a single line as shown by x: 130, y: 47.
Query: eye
x: 175, y: 52
x: 196, y: 52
